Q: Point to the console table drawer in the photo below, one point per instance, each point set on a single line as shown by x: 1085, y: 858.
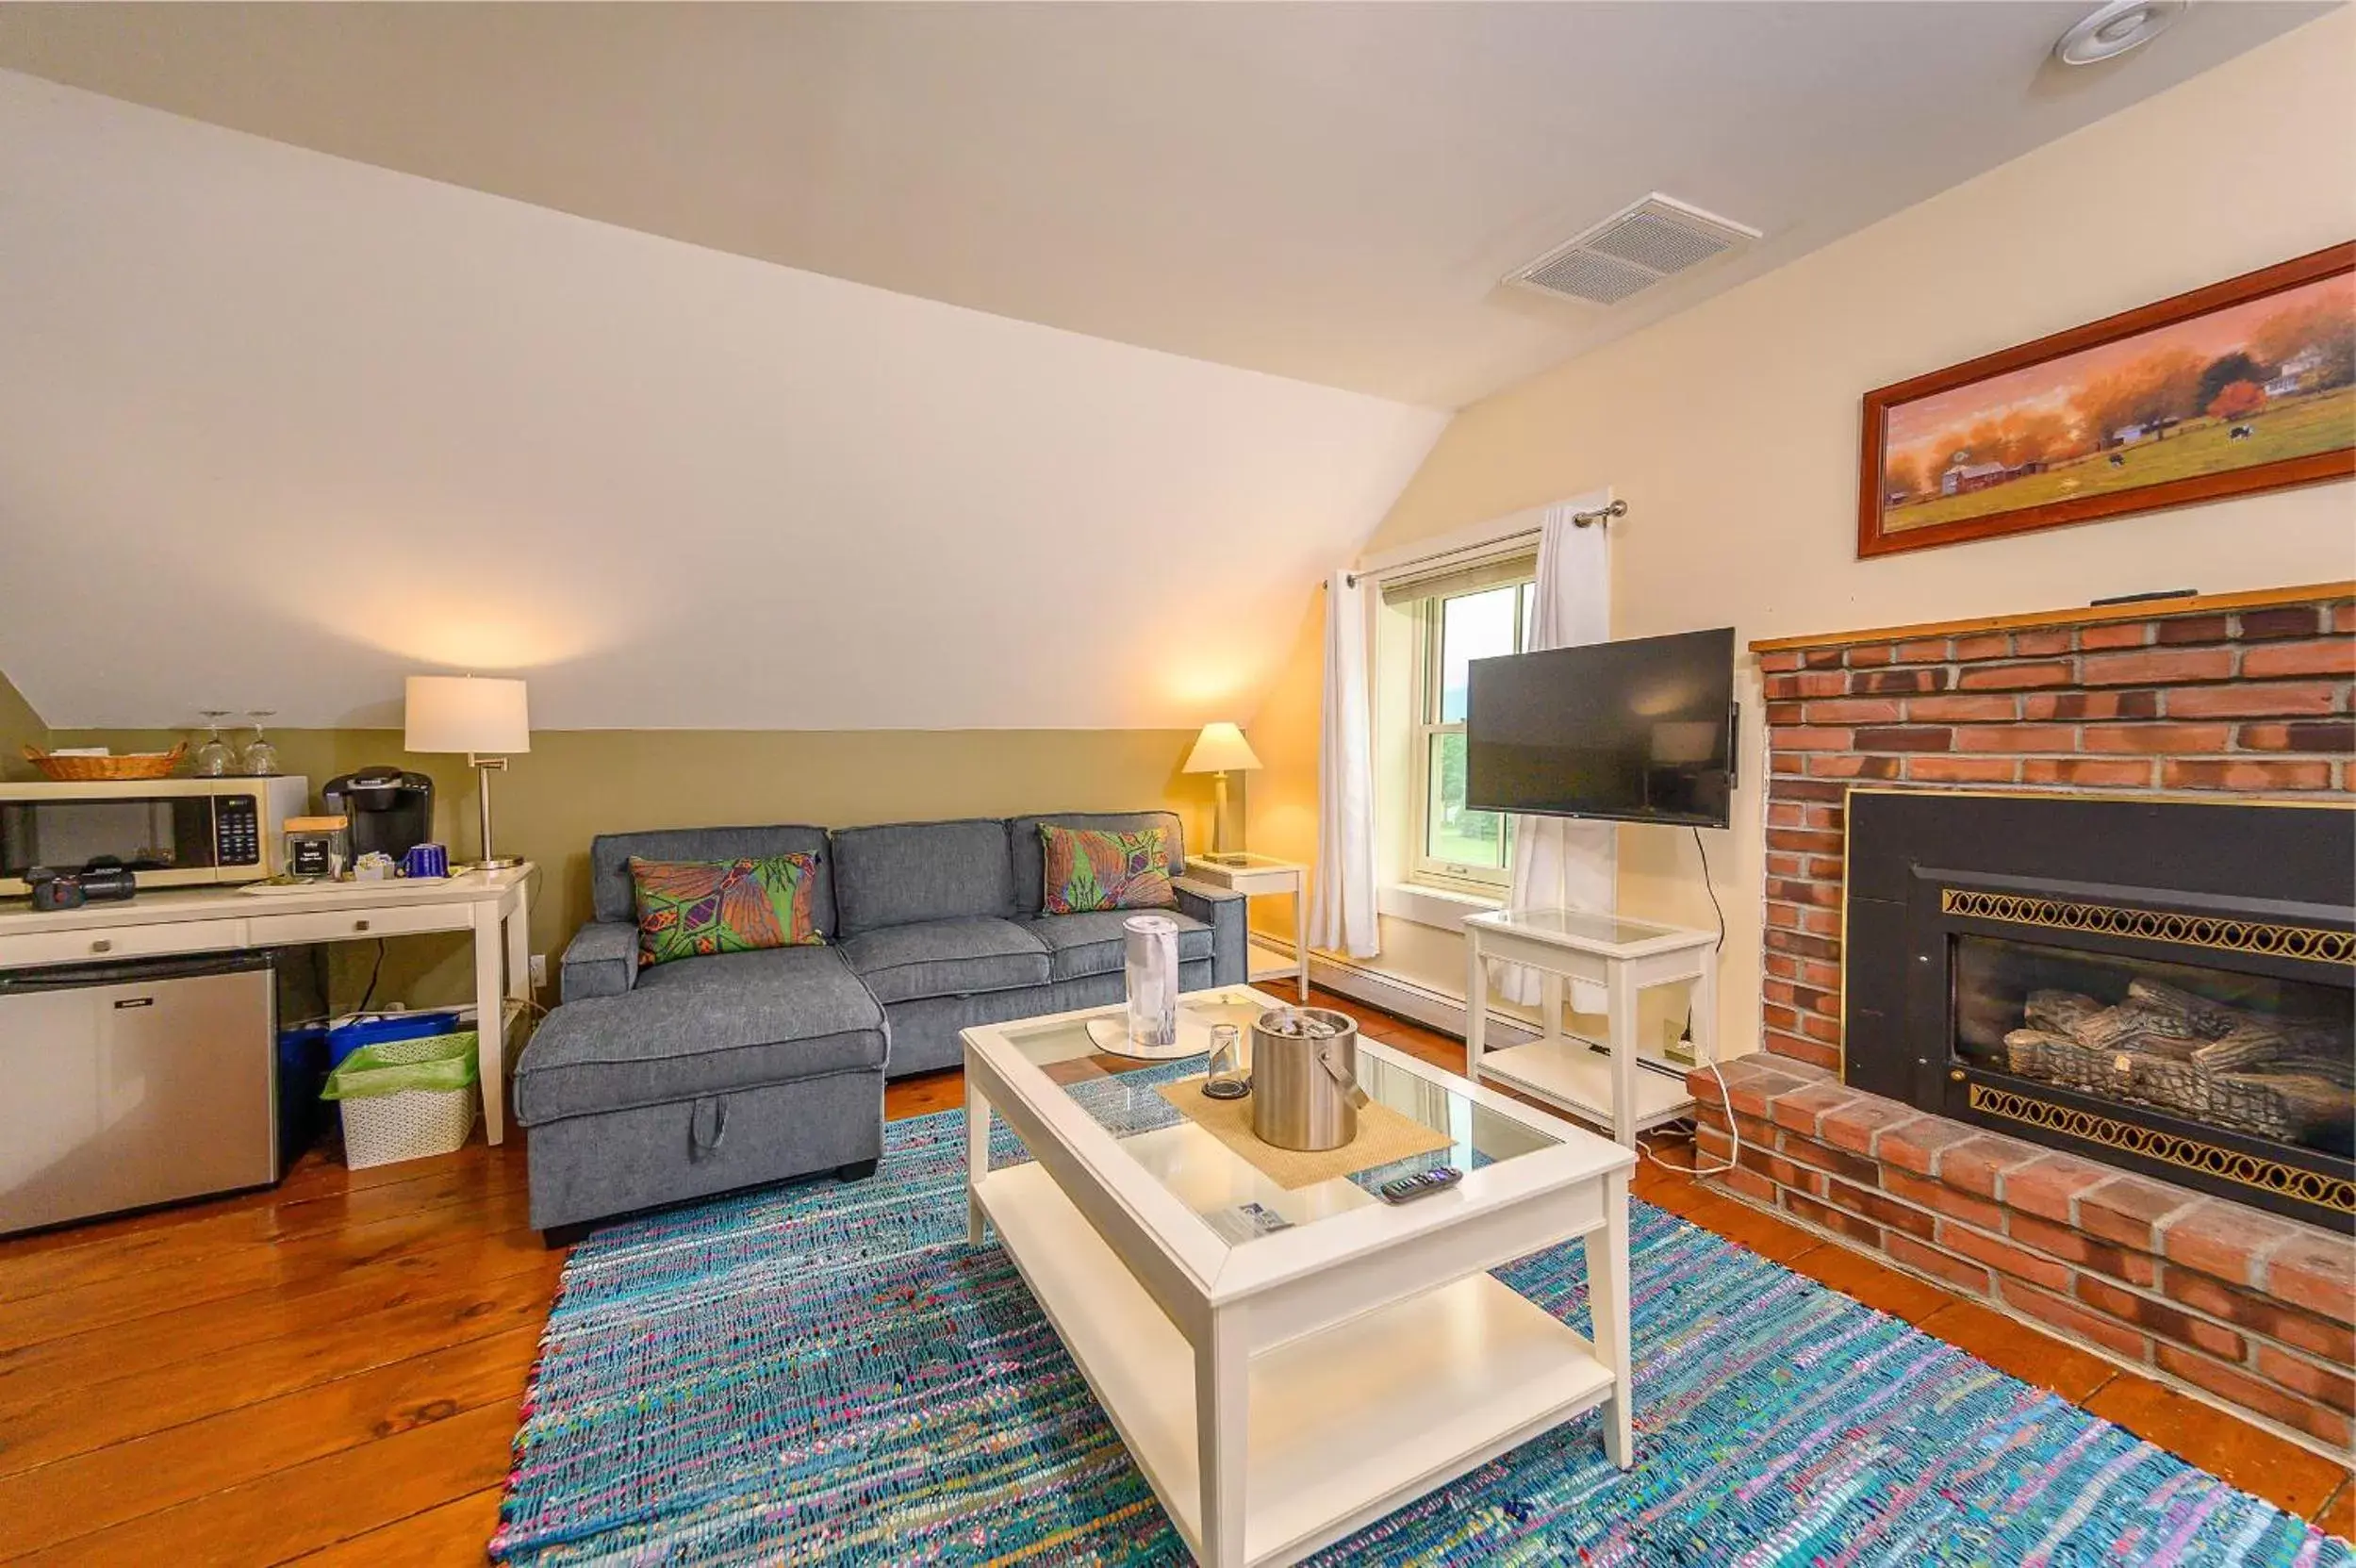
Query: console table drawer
x: 98, y: 944
x: 346, y: 925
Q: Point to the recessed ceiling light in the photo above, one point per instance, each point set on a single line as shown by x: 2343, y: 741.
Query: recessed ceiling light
x: 2114, y: 28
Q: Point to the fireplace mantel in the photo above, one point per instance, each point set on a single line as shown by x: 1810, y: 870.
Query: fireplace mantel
x: 2080, y: 615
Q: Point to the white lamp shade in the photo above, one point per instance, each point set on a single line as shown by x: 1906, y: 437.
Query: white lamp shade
x: 1220, y: 748
x: 467, y: 713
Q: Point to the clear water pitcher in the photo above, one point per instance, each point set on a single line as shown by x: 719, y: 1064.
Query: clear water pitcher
x: 1149, y: 964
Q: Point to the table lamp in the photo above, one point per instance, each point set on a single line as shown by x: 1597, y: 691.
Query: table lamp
x: 484, y: 718
x: 1220, y: 750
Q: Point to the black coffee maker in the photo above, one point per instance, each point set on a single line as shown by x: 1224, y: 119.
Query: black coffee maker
x: 391, y: 810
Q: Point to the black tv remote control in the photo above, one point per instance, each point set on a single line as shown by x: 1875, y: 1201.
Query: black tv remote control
x: 1406, y: 1189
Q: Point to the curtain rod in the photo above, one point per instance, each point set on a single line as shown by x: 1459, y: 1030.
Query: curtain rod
x: 1578, y: 520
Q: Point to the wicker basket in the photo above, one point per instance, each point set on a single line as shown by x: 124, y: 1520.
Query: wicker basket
x: 381, y: 1128
x: 145, y: 764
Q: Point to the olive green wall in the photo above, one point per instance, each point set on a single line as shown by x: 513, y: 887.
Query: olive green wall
x: 20, y: 727
x: 576, y: 783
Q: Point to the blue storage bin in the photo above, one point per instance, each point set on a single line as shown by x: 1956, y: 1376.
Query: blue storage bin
x: 376, y: 1028
x: 302, y: 1073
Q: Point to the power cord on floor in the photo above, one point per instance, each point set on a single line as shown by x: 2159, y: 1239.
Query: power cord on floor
x: 1734, y: 1157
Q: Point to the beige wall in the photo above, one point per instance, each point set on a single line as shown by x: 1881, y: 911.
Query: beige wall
x: 576, y: 783
x: 20, y: 727
x: 1732, y: 431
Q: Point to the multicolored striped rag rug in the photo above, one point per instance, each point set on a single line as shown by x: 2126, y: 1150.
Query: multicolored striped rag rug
x: 828, y: 1373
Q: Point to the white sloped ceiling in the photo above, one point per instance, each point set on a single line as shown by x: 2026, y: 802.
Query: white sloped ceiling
x: 277, y: 429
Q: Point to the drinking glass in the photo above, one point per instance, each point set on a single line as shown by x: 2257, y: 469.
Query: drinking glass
x: 1226, y: 1079
x: 260, y: 758
x: 214, y: 759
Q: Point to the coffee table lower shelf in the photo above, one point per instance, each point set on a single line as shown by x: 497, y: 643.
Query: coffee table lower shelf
x: 1346, y: 1425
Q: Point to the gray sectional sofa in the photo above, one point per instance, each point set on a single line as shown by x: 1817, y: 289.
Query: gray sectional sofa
x: 703, y: 1075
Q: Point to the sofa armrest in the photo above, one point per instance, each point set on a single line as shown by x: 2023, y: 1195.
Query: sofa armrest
x: 1224, y: 911
x: 602, y: 960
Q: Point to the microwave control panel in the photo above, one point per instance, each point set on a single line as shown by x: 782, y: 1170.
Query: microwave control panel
x: 236, y: 831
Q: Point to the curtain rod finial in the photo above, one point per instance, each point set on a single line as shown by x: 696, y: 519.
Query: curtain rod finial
x: 1601, y: 514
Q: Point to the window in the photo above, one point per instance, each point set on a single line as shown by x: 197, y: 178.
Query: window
x: 1478, y: 613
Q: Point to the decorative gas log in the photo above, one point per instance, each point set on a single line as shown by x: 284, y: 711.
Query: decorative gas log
x: 2288, y: 1078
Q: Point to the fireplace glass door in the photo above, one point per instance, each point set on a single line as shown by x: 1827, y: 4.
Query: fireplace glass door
x: 2255, y: 1055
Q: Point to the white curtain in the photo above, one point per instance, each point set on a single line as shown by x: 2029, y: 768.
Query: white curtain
x: 1341, y: 898
x: 1558, y: 863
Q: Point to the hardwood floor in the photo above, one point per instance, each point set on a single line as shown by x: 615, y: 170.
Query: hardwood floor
x: 329, y: 1372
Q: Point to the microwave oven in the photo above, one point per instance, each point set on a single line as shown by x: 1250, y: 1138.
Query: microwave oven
x: 170, y: 832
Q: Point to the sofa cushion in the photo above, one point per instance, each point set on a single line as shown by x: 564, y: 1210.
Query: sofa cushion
x: 1081, y: 945
x: 1029, y: 862
x: 946, y: 958
x: 700, y: 1027
x: 903, y: 872
x: 615, y: 897
x: 699, y: 908
x: 927, y: 1032
x: 1091, y: 868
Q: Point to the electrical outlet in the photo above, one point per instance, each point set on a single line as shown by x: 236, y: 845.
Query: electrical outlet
x: 539, y: 970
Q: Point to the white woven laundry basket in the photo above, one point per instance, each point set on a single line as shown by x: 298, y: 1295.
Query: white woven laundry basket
x: 410, y: 1123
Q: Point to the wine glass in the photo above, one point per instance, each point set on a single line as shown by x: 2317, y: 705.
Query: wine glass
x: 261, y: 760
x: 214, y: 759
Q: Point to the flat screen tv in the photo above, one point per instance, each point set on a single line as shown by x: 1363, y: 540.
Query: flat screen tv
x: 1637, y: 731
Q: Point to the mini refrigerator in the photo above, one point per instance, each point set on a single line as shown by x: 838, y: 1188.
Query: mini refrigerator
x: 124, y: 1086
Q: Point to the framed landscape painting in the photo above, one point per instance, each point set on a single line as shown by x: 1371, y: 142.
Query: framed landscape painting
x: 2245, y: 386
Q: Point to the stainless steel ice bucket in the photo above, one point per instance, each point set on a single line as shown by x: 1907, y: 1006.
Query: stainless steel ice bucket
x: 1305, y: 1093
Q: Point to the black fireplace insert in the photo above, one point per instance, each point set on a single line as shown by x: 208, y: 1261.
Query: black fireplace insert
x: 2164, y: 984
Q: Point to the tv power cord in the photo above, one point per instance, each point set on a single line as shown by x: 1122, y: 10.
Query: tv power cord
x: 1693, y: 1130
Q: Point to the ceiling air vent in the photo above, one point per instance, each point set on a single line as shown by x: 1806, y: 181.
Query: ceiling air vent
x: 1633, y: 249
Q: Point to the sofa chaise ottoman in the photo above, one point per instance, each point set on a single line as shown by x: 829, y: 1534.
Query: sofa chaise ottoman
x: 657, y: 1084
x: 695, y: 1078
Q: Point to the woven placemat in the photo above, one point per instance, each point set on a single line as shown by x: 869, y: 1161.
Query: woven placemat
x: 1383, y: 1136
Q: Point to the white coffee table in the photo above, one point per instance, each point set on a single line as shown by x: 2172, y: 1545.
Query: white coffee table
x: 1282, y: 1391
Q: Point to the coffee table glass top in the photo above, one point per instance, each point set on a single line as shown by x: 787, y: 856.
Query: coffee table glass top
x: 1235, y: 1198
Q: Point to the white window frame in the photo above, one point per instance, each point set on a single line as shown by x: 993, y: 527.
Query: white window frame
x: 1424, y: 697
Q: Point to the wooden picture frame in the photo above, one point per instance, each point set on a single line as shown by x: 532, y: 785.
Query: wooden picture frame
x: 2053, y: 414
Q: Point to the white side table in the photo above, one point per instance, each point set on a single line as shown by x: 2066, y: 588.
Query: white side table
x: 1252, y: 876
x: 1623, y: 957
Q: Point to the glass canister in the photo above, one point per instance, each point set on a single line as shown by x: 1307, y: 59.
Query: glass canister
x: 1149, y: 965
x: 317, y: 848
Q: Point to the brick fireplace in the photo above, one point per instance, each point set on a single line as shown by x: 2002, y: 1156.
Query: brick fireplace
x: 2110, y: 1210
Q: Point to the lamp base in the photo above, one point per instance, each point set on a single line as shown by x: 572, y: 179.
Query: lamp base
x: 491, y: 859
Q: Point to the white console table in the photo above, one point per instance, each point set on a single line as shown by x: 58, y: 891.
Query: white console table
x: 493, y: 906
x: 1623, y: 957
